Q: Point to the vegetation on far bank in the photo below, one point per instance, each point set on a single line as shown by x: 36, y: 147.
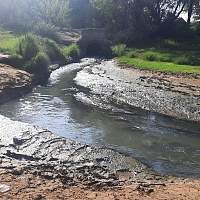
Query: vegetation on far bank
x: 128, y: 22
x: 158, y: 66
x: 166, y: 56
x: 34, y: 53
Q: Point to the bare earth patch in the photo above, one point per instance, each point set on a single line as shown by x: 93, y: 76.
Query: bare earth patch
x: 33, y: 187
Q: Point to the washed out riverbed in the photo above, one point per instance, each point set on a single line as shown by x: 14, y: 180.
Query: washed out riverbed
x: 100, y: 103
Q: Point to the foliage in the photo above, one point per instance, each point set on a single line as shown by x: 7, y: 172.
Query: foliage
x: 72, y: 51
x: 8, y: 42
x: 53, y: 50
x: 39, y: 67
x: 158, y: 66
x: 38, y: 63
x: 119, y: 50
x: 124, y: 21
x: 150, y: 56
x: 24, y: 14
x: 54, y: 12
x: 28, y: 46
x: 30, y: 51
x: 189, y: 57
x: 131, y: 54
x: 169, y: 43
x: 47, y: 31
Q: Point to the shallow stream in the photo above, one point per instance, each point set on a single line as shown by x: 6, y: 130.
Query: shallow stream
x: 66, y: 107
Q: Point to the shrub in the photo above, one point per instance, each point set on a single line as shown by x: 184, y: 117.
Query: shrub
x: 188, y: 60
x: 150, y: 56
x: 72, y: 51
x: 183, y: 60
x: 28, y: 47
x: 169, y: 44
x: 47, y: 31
x: 119, y: 50
x: 39, y: 67
x: 53, y: 51
x: 131, y: 54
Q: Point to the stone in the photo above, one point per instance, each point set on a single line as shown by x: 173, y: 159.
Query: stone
x: 13, y: 83
x: 4, y: 188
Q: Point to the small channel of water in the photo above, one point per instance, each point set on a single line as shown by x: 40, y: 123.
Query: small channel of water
x: 167, y: 145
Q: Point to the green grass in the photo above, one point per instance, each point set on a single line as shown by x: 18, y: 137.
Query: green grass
x: 162, y: 59
x: 166, y: 55
x: 158, y: 66
x: 8, y: 42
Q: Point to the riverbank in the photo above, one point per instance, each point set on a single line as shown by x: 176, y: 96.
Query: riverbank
x: 175, y: 95
x: 37, y: 164
x: 13, y: 83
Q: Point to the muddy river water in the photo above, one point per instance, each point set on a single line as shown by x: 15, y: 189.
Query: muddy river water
x: 96, y: 103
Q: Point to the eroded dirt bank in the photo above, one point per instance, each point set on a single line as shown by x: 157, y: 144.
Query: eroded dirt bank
x: 13, y: 83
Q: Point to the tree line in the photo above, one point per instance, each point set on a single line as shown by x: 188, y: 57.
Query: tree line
x: 123, y: 20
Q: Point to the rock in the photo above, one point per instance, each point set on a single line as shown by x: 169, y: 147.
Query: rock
x: 13, y: 83
x: 4, y: 188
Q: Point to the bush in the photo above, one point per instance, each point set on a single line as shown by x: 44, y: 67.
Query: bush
x: 183, y: 60
x: 169, y: 44
x: 53, y: 51
x: 150, y: 56
x: 28, y: 47
x: 39, y: 66
x: 187, y: 60
x: 131, y: 54
x: 72, y: 51
x: 119, y: 50
x: 47, y: 31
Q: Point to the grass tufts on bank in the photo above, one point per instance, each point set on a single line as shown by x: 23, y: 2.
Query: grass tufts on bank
x: 158, y: 65
x: 164, y: 58
x: 34, y: 53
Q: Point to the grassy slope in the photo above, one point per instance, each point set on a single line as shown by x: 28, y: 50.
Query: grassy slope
x: 158, y: 66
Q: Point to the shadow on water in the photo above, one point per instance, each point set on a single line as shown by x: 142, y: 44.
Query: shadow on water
x: 168, y: 145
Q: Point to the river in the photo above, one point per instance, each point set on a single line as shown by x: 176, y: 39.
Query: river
x: 70, y: 107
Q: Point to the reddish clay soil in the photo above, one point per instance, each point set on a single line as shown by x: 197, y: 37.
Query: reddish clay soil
x: 31, y: 187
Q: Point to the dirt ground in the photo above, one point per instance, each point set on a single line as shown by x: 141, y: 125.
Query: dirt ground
x: 32, y: 187
x: 188, y: 84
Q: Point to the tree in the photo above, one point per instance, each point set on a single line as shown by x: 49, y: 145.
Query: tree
x: 165, y: 11
x: 53, y: 12
x: 192, y: 8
